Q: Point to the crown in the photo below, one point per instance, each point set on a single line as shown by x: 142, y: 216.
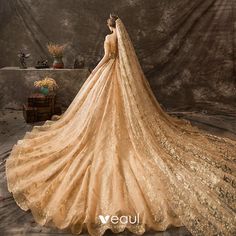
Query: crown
x: 113, y: 16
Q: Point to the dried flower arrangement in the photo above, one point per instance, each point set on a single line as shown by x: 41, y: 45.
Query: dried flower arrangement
x: 47, y: 82
x: 56, y: 50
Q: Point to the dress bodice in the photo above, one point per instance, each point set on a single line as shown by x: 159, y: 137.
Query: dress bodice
x: 113, y: 47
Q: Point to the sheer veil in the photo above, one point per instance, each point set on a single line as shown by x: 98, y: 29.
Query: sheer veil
x: 196, y: 185
x: 132, y: 73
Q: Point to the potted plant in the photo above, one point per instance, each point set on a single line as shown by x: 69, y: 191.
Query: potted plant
x: 56, y: 50
x: 46, y: 85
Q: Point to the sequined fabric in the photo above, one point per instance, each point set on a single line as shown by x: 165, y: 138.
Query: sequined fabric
x: 116, y: 152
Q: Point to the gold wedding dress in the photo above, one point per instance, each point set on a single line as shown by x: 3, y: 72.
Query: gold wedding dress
x: 116, y: 152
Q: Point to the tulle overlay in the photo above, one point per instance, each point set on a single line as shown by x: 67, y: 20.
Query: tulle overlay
x: 116, y: 152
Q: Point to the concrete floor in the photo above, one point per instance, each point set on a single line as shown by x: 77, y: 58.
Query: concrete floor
x: 14, y: 221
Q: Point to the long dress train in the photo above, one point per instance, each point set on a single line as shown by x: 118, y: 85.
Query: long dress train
x: 116, y: 152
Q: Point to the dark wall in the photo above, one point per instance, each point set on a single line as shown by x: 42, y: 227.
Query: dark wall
x: 186, y: 48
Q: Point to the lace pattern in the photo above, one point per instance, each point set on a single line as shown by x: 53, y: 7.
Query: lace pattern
x: 116, y: 152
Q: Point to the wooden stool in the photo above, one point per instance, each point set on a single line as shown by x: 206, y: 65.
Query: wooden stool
x: 40, y: 108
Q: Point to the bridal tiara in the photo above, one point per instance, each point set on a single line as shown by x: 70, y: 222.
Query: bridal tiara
x: 114, y: 16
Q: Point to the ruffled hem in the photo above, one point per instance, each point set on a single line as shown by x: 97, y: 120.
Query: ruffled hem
x: 94, y: 229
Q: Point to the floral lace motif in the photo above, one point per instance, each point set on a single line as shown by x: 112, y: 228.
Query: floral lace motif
x: 115, y: 151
